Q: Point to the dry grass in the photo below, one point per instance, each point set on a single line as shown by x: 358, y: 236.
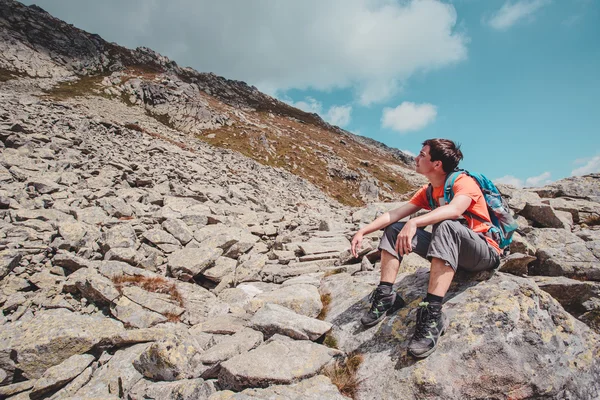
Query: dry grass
x: 330, y: 341
x: 326, y: 300
x: 154, y: 285
x: 303, y: 148
x: 593, y: 220
x: 7, y: 75
x: 334, y: 271
x: 343, y: 374
x: 172, y: 317
x: 84, y: 86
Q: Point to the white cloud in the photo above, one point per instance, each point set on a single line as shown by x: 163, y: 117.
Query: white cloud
x: 339, y: 115
x: 309, y: 105
x: 509, y: 180
x: 539, y: 180
x: 512, y: 12
x: 367, y: 46
x: 591, y: 165
x: 408, y: 116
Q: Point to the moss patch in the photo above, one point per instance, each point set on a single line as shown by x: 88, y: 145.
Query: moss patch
x: 84, y: 86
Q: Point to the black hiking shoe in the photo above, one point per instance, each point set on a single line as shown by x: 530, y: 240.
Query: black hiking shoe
x: 431, y: 324
x: 381, y: 304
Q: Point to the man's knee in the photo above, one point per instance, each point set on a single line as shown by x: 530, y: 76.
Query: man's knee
x: 447, y: 225
x: 392, y: 230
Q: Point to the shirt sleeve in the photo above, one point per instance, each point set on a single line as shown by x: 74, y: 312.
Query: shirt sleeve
x: 420, y: 198
x: 466, y: 186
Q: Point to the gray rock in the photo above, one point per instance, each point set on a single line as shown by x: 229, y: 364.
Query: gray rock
x: 221, y: 325
x: 223, y: 267
x: 72, y: 387
x: 117, y: 376
x: 250, y: 268
x: 224, y: 237
x: 119, y: 236
x: 179, y: 230
x: 545, y: 216
x: 134, y: 315
x: 15, y: 388
x: 44, y: 186
x: 170, y: 359
x: 184, y: 389
x: 302, y: 299
x: 199, y: 303
x: 523, y: 330
x: 277, y: 362
x: 70, y: 262
x: 315, y: 388
x: 116, y: 207
x: 272, y: 319
x: 59, y: 375
x: 161, y: 239
x: 52, y: 337
x: 158, y: 302
x: 128, y: 255
x: 185, y: 264
x: 240, y: 342
x: 93, y: 286
x: 516, y: 264
x: 9, y: 259
x: 319, y: 245
x: 92, y: 215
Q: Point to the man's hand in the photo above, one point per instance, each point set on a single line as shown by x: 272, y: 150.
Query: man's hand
x: 356, y: 242
x: 404, y: 241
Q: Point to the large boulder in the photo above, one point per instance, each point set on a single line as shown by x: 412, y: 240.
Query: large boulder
x: 276, y: 362
x: 507, y: 338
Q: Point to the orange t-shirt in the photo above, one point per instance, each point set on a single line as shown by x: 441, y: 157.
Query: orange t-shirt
x: 466, y: 186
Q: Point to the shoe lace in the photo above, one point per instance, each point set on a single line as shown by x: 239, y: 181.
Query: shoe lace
x: 376, y: 304
x: 426, y: 319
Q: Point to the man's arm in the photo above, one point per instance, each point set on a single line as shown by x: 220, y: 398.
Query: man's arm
x: 454, y: 210
x: 382, y: 221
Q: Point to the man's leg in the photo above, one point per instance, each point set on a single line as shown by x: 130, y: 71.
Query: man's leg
x: 451, y: 244
x: 440, y: 277
x: 384, y: 299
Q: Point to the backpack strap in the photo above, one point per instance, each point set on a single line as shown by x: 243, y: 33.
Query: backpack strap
x: 449, y: 185
x: 429, y: 193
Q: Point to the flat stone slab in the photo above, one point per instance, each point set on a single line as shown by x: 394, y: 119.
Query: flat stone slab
x: 241, y: 342
x: 52, y: 337
x: 316, y: 388
x: 60, y: 374
x: 277, y: 362
x: 184, y: 389
x: 188, y: 263
x: 302, y: 299
x: 272, y: 319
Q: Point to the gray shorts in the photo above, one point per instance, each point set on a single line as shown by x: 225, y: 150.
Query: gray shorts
x: 450, y: 241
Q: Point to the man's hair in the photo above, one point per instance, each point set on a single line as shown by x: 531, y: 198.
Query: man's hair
x: 446, y: 151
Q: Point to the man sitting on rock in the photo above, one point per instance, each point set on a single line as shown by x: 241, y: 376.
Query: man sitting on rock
x: 457, y: 240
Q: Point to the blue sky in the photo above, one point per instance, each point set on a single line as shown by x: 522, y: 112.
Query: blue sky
x: 516, y: 82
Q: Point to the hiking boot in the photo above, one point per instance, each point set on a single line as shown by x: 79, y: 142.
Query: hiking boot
x: 431, y: 324
x: 381, y: 304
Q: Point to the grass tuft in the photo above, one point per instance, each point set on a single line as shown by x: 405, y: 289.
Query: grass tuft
x: 343, y: 374
x: 7, y: 74
x: 154, y: 285
x: 84, y: 86
x: 594, y: 220
x: 326, y: 301
x: 330, y: 341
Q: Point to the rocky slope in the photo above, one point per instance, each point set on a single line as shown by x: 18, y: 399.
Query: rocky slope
x: 225, y: 113
x: 138, y: 261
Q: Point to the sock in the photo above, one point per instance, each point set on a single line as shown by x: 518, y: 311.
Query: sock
x: 385, y: 287
x: 432, y: 298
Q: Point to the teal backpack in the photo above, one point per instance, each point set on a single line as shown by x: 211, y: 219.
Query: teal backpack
x: 503, y: 224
